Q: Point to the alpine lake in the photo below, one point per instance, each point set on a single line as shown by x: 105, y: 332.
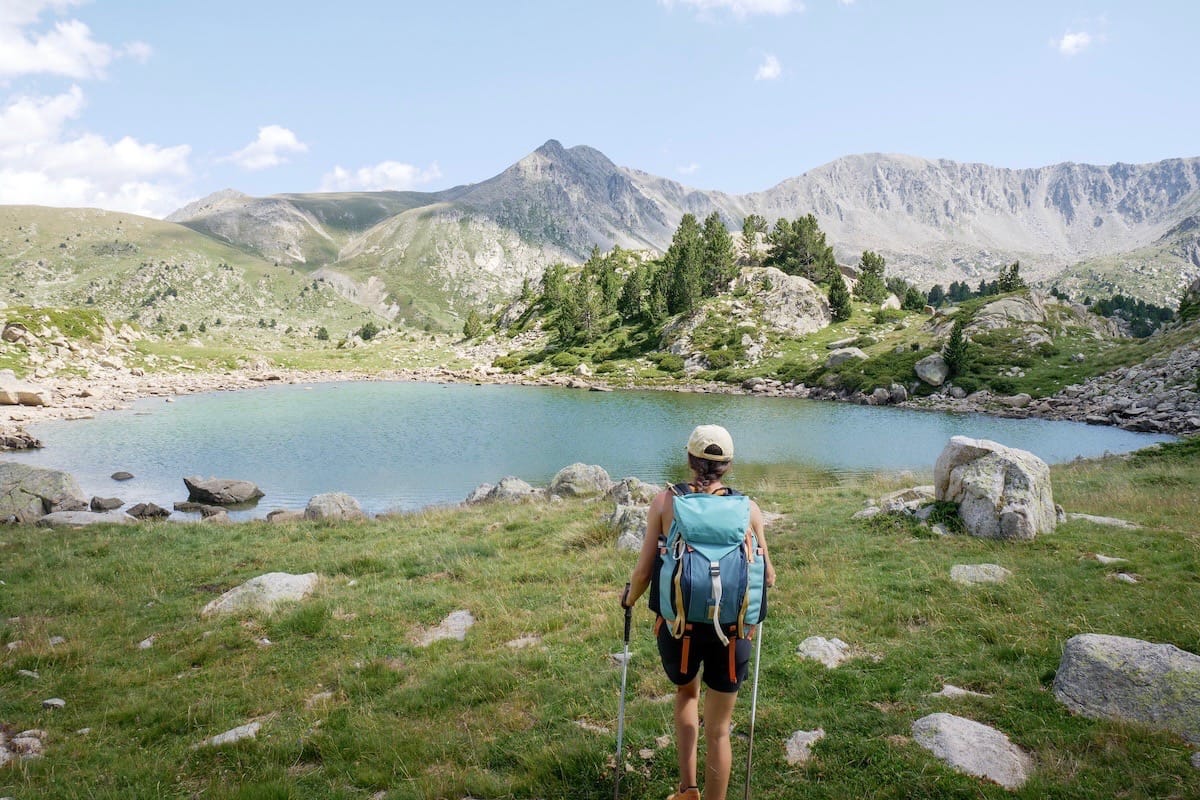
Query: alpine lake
x: 402, y: 446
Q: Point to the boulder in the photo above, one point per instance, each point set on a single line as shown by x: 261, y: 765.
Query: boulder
x: 1119, y: 678
x: 148, y: 511
x: 29, y: 493
x: 906, y: 500
x: 105, y: 503
x: 973, y: 748
x: 122, y: 476
x: 333, y: 505
x: 899, y: 393
x: 81, y: 519
x: 880, y: 396
x: 633, y: 492
x: 221, y: 491
x: 16, y: 392
x: 509, y: 490
x: 892, y: 303
x: 285, y: 515
x: 789, y: 304
x: 263, y: 593
x: 932, y: 369
x: 844, y: 354
x: 580, y: 480
x: 1001, y: 492
x: 238, y: 734
x: 1015, y: 401
x: 629, y: 523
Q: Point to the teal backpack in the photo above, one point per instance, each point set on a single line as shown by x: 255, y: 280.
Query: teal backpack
x: 710, y: 569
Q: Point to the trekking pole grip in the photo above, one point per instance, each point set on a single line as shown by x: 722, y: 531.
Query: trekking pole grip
x: 628, y: 612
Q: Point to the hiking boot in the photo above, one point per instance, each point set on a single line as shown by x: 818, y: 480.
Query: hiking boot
x: 691, y: 793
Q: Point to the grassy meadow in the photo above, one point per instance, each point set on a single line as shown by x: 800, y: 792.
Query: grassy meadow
x: 352, y: 707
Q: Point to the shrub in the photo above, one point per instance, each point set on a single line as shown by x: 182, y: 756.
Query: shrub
x: 564, y: 360
x: 719, y: 359
x: 322, y: 334
x: 885, y: 315
x: 368, y: 332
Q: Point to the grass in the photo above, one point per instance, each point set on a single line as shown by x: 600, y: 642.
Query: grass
x: 351, y: 706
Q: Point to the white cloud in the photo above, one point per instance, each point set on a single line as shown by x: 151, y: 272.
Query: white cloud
x: 769, y: 69
x: 67, y: 48
x: 1074, y: 43
x: 42, y: 163
x: 741, y: 8
x: 845, y: 2
x: 689, y: 169
x: 386, y: 175
x: 270, y: 149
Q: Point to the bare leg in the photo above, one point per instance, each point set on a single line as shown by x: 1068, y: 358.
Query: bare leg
x: 687, y: 730
x: 718, y: 755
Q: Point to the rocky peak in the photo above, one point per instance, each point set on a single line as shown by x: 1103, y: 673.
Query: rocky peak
x: 217, y: 201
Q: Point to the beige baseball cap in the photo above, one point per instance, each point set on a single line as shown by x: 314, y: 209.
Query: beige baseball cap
x: 711, y: 442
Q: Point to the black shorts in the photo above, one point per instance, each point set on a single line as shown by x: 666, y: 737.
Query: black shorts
x: 724, y: 665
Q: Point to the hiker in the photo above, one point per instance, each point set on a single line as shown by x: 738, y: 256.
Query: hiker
x: 700, y: 653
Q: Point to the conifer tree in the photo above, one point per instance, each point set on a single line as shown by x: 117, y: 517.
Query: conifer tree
x: 684, y: 264
x: 719, y: 267
x: 839, y: 299
x: 954, y: 353
x: 870, y: 287
x: 752, y: 226
x: 473, y: 326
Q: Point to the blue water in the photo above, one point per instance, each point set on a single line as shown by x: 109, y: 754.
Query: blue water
x: 403, y: 446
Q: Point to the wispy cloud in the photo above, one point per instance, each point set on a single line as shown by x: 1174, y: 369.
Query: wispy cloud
x: 769, y: 69
x: 845, y: 2
x: 386, y: 175
x: 270, y: 149
x: 688, y: 169
x: 741, y: 8
x: 1074, y: 43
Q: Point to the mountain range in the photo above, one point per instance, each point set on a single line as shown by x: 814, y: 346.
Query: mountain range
x: 1131, y: 228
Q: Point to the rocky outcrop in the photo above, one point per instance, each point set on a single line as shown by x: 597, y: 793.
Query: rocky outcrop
x: 83, y: 519
x: 789, y: 304
x: 333, y: 506
x: 263, y: 594
x: 973, y: 748
x: 629, y: 525
x: 1001, y: 492
x: 221, y: 491
x: 932, y: 369
x: 510, y: 490
x: 1115, y: 677
x: 29, y: 493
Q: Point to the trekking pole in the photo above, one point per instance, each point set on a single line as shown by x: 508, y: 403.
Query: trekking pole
x: 621, y: 709
x: 753, y: 707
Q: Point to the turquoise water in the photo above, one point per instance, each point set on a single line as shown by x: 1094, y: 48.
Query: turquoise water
x: 403, y: 446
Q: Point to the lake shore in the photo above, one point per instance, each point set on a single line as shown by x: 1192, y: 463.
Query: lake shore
x: 82, y: 398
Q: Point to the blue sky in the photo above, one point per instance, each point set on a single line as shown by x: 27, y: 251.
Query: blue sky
x: 143, y: 106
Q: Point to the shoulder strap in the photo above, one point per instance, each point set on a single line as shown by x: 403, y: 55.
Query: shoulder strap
x: 680, y: 489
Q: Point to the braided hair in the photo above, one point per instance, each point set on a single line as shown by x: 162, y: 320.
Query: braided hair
x: 707, y: 472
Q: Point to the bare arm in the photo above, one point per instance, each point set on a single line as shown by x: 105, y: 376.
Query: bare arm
x: 756, y: 525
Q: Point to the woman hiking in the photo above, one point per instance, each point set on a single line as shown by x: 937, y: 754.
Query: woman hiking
x: 699, y: 653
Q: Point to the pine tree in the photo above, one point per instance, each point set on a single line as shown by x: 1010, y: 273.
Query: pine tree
x: 954, y: 353
x: 870, y: 287
x: 473, y: 326
x: 631, y: 303
x: 914, y: 299
x: 752, y: 226
x: 684, y: 265
x: 799, y: 248
x: 839, y: 299
x: 719, y: 267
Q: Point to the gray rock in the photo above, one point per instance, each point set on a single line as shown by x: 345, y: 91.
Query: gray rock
x: 1118, y: 678
x: 54, y: 703
x: 580, y: 480
x: 633, y: 492
x: 509, y: 490
x: 105, y: 503
x: 932, y: 369
x: 16, y: 392
x: 479, y: 494
x: 82, y: 519
x: 122, y: 476
x: 844, y: 354
x: 799, y: 745
x: 1196, y: 760
x: 334, y: 506
x: 454, y: 626
x: 148, y: 511
x: 868, y: 512
x: 1112, y: 522
x: 238, y: 734
x: 973, y: 748
x: 285, y: 515
x: 263, y: 593
x: 830, y: 652
x: 1015, y: 401
x: 29, y: 493
x: 1001, y: 492
x: 957, y: 392
x: 954, y: 693
x: 979, y: 573
x: 898, y: 393
x: 629, y: 523
x: 221, y: 491
x: 880, y: 397
x: 906, y: 500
